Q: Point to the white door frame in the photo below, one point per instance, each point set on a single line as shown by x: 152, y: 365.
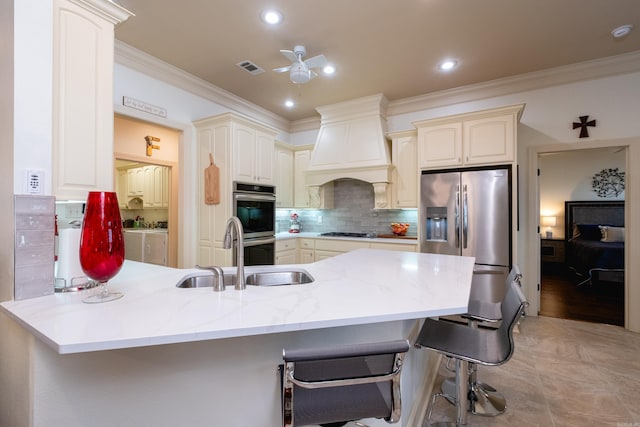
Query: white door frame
x: 632, y: 223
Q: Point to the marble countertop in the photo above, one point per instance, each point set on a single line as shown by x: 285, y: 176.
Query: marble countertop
x: 359, y: 287
x: 309, y: 235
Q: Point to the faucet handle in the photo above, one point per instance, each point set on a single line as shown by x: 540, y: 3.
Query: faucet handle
x: 219, y: 274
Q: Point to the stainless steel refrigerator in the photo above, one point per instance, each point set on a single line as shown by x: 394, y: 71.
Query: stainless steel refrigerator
x: 468, y: 212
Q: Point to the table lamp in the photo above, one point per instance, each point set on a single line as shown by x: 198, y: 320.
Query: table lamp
x: 549, y: 221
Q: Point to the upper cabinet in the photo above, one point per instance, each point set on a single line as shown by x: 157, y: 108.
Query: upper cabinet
x: 473, y: 139
x: 284, y: 176
x: 253, y: 153
x: 404, y: 187
x: 300, y: 166
x: 83, y: 40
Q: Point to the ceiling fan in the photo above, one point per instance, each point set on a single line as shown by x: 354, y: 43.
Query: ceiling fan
x: 301, y: 71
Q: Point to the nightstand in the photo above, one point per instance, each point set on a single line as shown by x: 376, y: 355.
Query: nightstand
x: 552, y: 250
x: 552, y: 255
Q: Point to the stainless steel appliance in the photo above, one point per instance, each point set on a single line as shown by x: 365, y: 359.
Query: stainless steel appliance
x: 255, y: 207
x: 468, y: 212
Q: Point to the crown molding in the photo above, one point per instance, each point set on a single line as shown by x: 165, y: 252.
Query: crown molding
x: 599, y: 68
x: 153, y: 67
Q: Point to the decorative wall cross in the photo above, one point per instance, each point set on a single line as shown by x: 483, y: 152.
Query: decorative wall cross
x: 584, y: 122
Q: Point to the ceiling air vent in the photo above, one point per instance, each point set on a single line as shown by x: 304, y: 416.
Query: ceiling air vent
x: 250, y: 67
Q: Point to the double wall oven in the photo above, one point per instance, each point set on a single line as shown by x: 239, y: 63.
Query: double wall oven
x: 255, y: 206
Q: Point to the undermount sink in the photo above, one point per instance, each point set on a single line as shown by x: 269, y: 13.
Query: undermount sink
x: 259, y: 278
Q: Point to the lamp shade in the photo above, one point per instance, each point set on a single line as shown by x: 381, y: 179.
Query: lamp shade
x: 549, y: 221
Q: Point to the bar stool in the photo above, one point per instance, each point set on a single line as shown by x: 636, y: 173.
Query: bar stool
x: 473, y: 345
x: 483, y: 398
x: 329, y: 386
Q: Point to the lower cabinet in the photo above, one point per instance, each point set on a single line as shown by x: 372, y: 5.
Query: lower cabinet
x: 286, y: 251
x: 307, y: 250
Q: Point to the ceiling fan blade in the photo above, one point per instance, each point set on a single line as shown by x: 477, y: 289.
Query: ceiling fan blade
x: 312, y: 74
x: 318, y: 61
x: 289, y: 55
x: 282, y: 69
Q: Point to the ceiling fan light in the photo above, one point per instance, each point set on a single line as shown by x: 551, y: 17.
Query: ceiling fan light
x: 299, y: 75
x: 329, y: 69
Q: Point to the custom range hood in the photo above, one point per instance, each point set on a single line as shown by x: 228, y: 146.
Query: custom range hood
x: 351, y: 143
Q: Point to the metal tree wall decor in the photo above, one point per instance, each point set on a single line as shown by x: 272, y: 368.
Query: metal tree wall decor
x: 584, y: 122
x: 608, y: 182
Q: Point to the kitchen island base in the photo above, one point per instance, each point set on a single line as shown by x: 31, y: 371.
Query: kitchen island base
x: 225, y: 382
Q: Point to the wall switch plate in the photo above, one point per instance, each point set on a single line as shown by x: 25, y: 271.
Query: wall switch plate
x: 319, y: 219
x: 35, y: 181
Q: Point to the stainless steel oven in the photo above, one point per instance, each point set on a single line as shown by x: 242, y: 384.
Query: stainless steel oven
x: 255, y: 207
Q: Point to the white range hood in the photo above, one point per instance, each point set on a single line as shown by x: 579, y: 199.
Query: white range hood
x: 351, y: 143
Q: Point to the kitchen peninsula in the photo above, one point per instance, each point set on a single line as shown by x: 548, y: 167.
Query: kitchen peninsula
x: 167, y: 356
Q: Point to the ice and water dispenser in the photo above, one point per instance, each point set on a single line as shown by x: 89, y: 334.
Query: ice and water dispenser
x: 436, y: 223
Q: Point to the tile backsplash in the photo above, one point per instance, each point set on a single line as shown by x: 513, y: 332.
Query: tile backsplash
x: 353, y: 212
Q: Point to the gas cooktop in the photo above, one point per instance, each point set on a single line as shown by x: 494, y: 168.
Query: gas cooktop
x: 343, y: 234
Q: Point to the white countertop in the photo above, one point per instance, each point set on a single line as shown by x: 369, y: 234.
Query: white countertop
x: 359, y: 287
x: 310, y: 235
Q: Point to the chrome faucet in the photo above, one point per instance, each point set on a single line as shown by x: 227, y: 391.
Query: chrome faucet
x: 234, y: 223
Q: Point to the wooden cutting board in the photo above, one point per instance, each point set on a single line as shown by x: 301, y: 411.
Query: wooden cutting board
x: 211, y: 183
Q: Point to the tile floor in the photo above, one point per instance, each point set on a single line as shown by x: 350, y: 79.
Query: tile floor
x: 564, y: 373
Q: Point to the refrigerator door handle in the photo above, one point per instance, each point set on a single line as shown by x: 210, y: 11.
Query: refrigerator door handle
x: 465, y: 218
x: 457, y: 214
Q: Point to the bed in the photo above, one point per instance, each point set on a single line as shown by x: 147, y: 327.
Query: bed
x: 594, y: 233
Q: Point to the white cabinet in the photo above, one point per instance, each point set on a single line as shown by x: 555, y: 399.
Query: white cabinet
x: 155, y: 248
x: 252, y: 154
x: 480, y: 138
x: 300, y: 166
x: 135, y: 182
x: 227, y: 137
x: 307, y: 251
x: 121, y: 187
x: 83, y: 40
x: 284, y: 176
x: 153, y: 188
x: 286, y: 251
x: 404, y: 188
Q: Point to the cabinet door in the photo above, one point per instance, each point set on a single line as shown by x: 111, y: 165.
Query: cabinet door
x: 135, y: 182
x: 264, y: 158
x: 165, y: 187
x: 244, y: 154
x: 489, y: 140
x: 405, y: 174
x: 300, y: 166
x: 284, y: 177
x: 82, y: 101
x: 148, y: 187
x: 440, y: 145
x: 121, y: 188
x: 155, y: 248
x: 307, y: 256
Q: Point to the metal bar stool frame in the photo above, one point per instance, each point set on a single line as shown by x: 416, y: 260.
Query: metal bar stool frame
x: 466, y: 345
x: 340, y: 384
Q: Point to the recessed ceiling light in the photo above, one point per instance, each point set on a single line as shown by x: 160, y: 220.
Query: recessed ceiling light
x: 271, y: 16
x: 448, y: 65
x: 621, y: 31
x: 289, y: 103
x: 329, y: 69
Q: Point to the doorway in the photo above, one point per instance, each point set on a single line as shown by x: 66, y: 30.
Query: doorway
x: 564, y: 292
x: 156, y: 169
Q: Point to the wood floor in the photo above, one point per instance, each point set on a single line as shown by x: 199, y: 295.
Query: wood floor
x: 560, y: 297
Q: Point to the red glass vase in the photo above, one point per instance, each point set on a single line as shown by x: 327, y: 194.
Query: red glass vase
x: 102, y: 242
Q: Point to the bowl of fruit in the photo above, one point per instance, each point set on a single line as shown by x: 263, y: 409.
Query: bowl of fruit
x: 399, y: 228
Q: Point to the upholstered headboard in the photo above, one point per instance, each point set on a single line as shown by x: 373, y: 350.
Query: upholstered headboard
x: 592, y: 212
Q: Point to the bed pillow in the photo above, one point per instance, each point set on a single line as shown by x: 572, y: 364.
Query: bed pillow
x: 612, y: 234
x: 587, y: 232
